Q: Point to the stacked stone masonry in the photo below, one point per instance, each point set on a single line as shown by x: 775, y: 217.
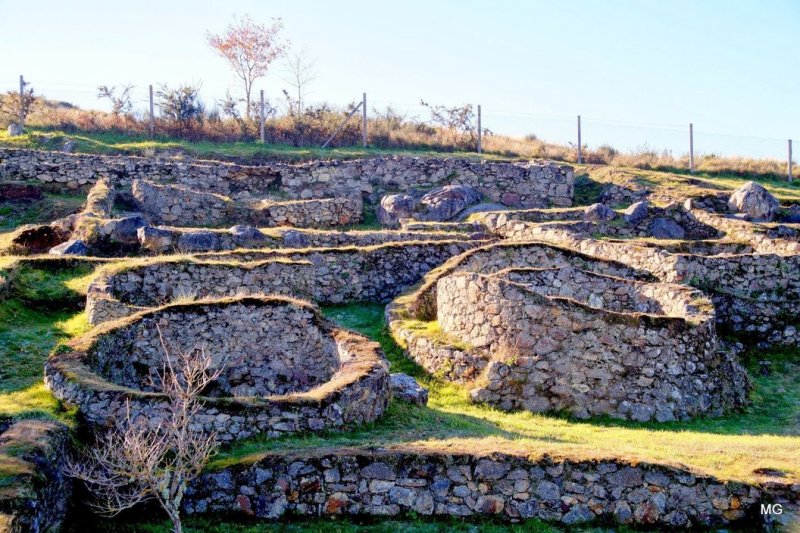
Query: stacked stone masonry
x: 180, y: 206
x: 509, y: 487
x: 326, y: 275
x: 567, y: 340
x: 531, y: 184
x: 284, y: 368
x: 754, y: 293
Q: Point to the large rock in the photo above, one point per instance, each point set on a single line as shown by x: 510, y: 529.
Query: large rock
x: 125, y: 230
x: 246, y: 236
x: 755, y: 201
x: 445, y: 203
x: 198, y: 241
x: 636, y: 212
x: 71, y: 247
x: 666, y: 228
x: 295, y: 239
x: 393, y: 207
x: 406, y: 388
x: 482, y: 208
x: 599, y: 213
x: 154, y: 239
x: 15, y: 130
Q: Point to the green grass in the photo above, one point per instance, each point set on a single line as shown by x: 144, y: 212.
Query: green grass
x: 767, y: 434
x: 116, y: 143
x: 38, y: 310
x: 49, y: 208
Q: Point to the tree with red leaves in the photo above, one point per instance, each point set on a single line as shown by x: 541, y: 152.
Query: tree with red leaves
x: 249, y: 49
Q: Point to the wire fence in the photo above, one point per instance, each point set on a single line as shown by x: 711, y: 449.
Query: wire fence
x: 617, y: 135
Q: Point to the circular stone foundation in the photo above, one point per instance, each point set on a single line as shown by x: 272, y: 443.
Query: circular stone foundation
x: 567, y: 340
x: 283, y: 368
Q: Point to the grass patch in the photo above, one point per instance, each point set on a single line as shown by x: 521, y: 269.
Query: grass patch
x: 39, y: 310
x: 766, y: 435
x: 52, y: 206
x: 116, y: 143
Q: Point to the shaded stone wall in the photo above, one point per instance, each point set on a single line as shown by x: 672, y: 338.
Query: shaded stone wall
x: 566, y: 340
x: 528, y: 184
x: 509, y: 487
x: 357, y: 392
x: 262, y: 350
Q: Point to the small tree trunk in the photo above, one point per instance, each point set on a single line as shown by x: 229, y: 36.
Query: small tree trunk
x: 177, y: 527
x: 247, y: 103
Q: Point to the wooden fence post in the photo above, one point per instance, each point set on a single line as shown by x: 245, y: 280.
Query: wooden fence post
x: 152, y: 117
x: 21, y: 102
x: 789, y: 163
x: 364, y: 121
x: 261, y: 118
x: 691, y: 148
x: 580, y: 153
x: 480, y: 130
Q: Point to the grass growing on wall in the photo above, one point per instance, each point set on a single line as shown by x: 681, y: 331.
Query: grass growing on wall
x: 766, y: 435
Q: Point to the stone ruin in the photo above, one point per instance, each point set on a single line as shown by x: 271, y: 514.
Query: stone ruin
x: 493, y: 281
x: 555, y: 337
x: 285, y: 369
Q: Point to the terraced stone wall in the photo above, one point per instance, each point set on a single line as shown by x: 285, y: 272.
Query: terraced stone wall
x: 180, y: 206
x: 530, y: 184
x: 506, y: 486
x: 112, y: 296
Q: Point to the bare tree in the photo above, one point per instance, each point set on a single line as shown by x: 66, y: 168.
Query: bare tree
x: 15, y: 107
x: 136, y: 462
x: 249, y: 49
x: 300, y: 70
x: 120, y: 103
x: 458, y: 121
x: 181, y: 106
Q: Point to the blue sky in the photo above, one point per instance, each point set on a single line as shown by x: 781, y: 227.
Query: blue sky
x: 630, y: 68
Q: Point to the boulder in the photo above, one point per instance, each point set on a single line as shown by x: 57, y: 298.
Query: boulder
x: 666, y: 228
x: 154, y: 239
x: 126, y: 229
x: 246, y: 236
x: 295, y: 239
x: 636, y: 212
x: 443, y: 204
x: 406, y: 388
x: 15, y: 130
x: 792, y: 214
x: 599, y: 213
x: 71, y: 247
x: 68, y: 146
x: 393, y: 207
x: 755, y: 201
x: 198, y: 241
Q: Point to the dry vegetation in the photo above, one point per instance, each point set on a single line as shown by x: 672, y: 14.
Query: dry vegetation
x: 448, y: 130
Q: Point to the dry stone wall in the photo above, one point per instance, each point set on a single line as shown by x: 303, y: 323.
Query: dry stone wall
x: 114, y: 295
x: 754, y: 293
x: 568, y: 340
x: 528, y: 184
x: 299, y: 374
x: 180, y: 206
x: 506, y: 486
